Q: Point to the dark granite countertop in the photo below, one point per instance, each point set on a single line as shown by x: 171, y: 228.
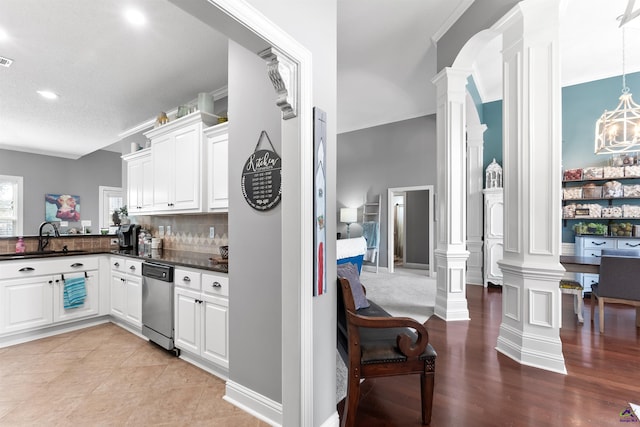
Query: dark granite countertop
x: 177, y: 258
x: 180, y: 258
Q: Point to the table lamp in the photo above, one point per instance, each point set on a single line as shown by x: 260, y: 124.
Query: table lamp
x: 348, y: 216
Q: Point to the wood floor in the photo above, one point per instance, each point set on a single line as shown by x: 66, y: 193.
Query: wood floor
x: 477, y: 386
x: 106, y: 376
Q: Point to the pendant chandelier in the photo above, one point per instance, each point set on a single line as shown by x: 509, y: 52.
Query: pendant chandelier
x: 618, y: 131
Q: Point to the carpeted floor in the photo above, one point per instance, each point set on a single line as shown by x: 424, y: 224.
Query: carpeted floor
x: 405, y: 293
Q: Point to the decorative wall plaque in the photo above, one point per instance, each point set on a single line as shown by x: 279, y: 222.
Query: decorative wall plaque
x: 261, y: 177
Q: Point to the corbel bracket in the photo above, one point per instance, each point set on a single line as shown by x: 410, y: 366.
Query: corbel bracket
x: 283, y: 74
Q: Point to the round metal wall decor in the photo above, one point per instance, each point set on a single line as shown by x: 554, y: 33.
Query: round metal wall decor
x: 261, y: 178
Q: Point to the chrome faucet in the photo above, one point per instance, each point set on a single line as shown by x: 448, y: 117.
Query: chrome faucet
x: 43, y: 241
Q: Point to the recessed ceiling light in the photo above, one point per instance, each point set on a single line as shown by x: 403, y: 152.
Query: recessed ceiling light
x: 135, y: 17
x: 48, y: 94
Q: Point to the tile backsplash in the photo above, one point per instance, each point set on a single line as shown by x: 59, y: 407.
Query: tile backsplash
x: 188, y: 232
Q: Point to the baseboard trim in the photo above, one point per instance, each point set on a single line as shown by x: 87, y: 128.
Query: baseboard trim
x: 332, y: 421
x: 254, y: 403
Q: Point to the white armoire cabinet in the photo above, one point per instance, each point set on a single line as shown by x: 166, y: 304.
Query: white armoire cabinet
x: 493, y: 224
x: 493, y: 235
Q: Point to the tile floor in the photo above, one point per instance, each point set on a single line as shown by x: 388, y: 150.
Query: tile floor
x: 106, y: 376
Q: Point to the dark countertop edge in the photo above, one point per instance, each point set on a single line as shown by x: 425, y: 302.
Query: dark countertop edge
x: 195, y: 260
x: 64, y: 236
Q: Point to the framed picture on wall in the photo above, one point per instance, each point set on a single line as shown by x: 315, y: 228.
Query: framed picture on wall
x: 61, y: 207
x: 319, y: 201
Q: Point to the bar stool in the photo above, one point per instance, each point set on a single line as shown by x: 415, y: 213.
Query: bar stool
x: 575, y: 288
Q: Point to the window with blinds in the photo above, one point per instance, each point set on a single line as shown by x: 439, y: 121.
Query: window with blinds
x: 10, y: 205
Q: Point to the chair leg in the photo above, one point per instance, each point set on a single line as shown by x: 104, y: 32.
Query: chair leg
x: 351, y: 401
x: 578, y: 305
x: 601, y: 313
x: 637, y: 317
x: 426, y: 390
x: 592, y: 299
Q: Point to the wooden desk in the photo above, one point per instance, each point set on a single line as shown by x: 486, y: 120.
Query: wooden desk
x: 581, y: 264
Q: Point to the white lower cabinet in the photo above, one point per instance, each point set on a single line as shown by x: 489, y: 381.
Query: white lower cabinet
x: 592, y: 246
x: 126, y: 290
x: 32, y: 295
x: 202, y: 315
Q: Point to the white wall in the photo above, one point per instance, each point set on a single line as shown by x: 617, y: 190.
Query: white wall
x: 400, y: 154
x: 47, y: 174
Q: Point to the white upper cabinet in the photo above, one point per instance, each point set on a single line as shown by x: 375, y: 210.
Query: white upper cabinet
x: 178, y: 164
x: 217, y: 140
x: 139, y: 181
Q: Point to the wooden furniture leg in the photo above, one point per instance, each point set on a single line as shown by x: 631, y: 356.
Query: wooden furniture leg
x: 351, y: 400
x: 601, y: 314
x: 426, y: 390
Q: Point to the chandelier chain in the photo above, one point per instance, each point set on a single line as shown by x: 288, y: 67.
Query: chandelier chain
x: 625, y: 88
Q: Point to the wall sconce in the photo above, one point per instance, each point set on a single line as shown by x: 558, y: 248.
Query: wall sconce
x: 348, y: 216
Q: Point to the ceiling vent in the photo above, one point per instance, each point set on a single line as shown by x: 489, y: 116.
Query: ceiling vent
x: 5, y: 62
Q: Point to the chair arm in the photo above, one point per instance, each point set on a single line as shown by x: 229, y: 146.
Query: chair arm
x: 403, y: 341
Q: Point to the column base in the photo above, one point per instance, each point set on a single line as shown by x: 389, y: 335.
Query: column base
x: 532, y: 315
x: 451, y: 295
x: 536, y: 351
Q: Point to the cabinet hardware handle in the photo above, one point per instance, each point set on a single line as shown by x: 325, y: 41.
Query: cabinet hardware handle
x: 50, y: 282
x: 597, y: 256
x: 598, y: 243
x: 633, y: 246
x: 123, y: 280
x: 217, y: 285
x: 24, y: 269
x: 116, y: 264
x: 77, y: 264
x: 132, y: 268
x: 187, y: 279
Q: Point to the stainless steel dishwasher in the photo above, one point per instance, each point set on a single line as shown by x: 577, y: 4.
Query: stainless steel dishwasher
x: 157, y: 304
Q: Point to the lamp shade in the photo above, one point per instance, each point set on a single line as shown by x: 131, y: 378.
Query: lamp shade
x: 348, y: 215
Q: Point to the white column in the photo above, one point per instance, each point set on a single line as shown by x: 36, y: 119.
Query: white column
x: 531, y: 299
x: 451, y: 252
x: 475, y: 179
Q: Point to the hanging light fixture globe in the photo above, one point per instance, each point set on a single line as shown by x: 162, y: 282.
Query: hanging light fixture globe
x: 618, y: 131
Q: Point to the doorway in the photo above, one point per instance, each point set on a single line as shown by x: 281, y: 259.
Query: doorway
x: 410, y: 228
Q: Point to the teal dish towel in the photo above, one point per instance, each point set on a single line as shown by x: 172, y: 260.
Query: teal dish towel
x: 370, y: 231
x: 75, y: 292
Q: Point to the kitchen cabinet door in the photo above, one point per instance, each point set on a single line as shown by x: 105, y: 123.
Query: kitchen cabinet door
x: 26, y: 303
x: 139, y: 181
x: 118, y: 295
x: 91, y: 304
x: 163, y: 172
x: 215, y: 339
x: 133, y: 291
x: 218, y: 167
x: 187, y: 174
x: 187, y: 320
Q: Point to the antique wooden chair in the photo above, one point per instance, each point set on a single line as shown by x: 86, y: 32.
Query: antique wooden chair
x: 375, y: 344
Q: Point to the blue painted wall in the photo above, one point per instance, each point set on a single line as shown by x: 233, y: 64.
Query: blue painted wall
x: 582, y: 105
x: 475, y: 95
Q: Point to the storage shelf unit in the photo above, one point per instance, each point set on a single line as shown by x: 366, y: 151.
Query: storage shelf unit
x: 610, y: 201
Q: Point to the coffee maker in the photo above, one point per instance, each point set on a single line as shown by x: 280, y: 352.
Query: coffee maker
x: 128, y: 237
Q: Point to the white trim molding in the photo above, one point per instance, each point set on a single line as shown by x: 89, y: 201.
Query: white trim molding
x: 254, y: 403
